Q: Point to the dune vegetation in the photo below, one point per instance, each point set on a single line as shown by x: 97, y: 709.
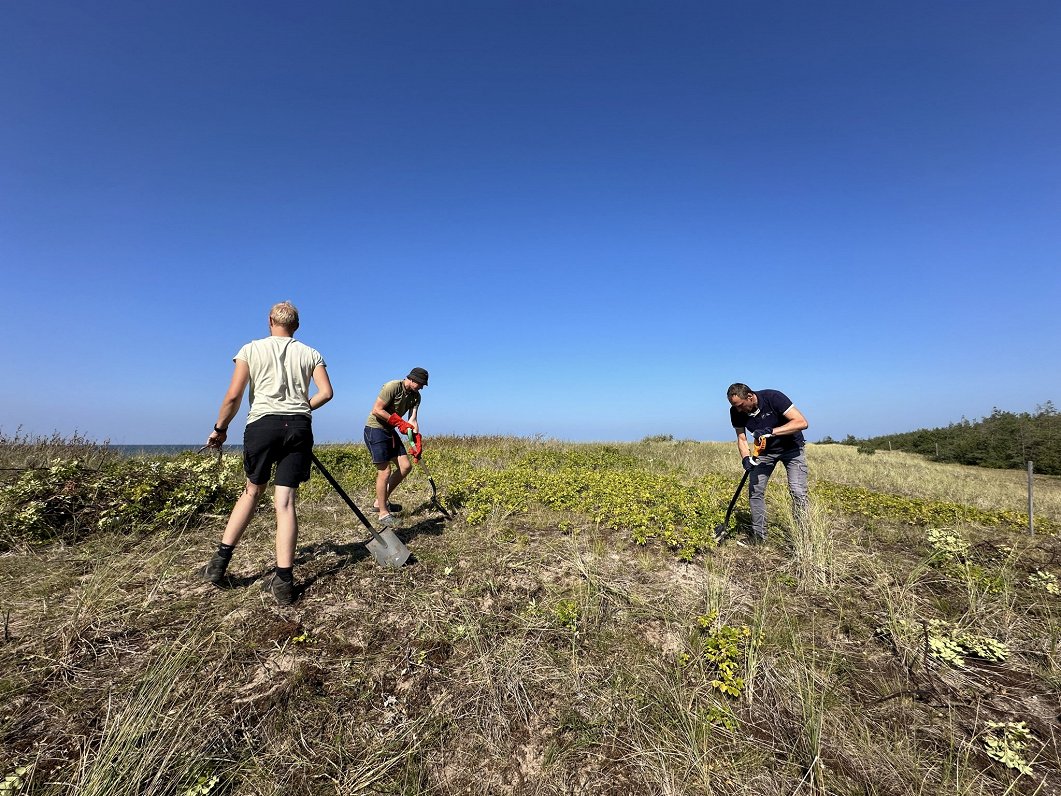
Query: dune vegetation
x: 574, y: 629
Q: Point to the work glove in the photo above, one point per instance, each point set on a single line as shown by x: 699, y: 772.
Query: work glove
x: 418, y: 447
x: 399, y: 423
x: 761, y: 435
x: 749, y: 465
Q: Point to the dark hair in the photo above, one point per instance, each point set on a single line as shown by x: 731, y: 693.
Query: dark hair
x: 739, y: 390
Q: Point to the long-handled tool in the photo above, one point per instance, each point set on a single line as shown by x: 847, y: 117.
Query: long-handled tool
x: 384, y: 545
x: 757, y: 448
x: 723, y: 529
x: 417, y: 443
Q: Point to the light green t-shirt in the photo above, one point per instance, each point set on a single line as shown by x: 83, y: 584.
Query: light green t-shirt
x: 396, y: 400
x: 281, y: 370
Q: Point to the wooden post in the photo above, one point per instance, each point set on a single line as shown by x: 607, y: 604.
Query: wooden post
x: 1031, y: 515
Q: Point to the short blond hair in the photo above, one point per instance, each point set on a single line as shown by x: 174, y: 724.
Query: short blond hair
x: 284, y: 314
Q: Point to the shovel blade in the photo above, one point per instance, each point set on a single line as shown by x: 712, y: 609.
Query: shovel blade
x: 721, y: 531
x: 387, y: 549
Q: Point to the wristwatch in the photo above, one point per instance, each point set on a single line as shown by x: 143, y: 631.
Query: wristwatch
x: 220, y: 430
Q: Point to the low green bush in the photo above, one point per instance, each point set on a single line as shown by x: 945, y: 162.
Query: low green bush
x: 70, y: 500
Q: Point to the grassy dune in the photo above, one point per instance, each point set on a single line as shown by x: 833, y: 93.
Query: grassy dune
x: 573, y: 630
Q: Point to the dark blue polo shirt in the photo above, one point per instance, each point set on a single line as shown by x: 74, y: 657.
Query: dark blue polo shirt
x: 771, y: 413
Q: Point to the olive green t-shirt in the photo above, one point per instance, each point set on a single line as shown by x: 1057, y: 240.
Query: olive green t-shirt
x: 396, y: 400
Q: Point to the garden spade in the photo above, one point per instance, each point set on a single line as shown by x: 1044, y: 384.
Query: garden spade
x: 384, y: 545
x: 723, y: 529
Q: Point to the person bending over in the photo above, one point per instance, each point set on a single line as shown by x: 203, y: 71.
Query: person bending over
x: 774, y: 420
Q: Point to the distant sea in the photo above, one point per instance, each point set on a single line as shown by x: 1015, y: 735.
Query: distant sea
x: 142, y: 451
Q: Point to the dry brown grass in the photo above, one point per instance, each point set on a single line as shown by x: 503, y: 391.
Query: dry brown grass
x: 514, y: 659
x: 914, y: 476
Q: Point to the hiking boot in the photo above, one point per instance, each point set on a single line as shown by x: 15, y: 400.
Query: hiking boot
x: 214, y: 572
x: 282, y: 591
x: 388, y: 520
x: 391, y: 507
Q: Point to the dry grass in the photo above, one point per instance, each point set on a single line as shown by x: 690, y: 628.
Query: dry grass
x: 893, y: 472
x: 512, y: 658
x: 20, y: 451
x: 914, y: 476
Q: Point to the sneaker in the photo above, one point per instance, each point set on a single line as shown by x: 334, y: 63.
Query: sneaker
x: 388, y: 520
x: 391, y: 507
x: 214, y: 572
x: 283, y: 591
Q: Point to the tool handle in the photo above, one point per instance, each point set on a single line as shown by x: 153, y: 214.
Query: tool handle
x: 434, y: 489
x: 736, y: 495
x: 343, y: 495
x: 417, y: 441
x: 420, y: 459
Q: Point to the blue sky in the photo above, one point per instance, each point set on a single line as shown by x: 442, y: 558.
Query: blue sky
x: 586, y: 219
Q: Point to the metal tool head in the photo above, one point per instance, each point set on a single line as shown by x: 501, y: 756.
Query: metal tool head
x: 387, y: 549
x: 721, y: 532
x: 384, y: 545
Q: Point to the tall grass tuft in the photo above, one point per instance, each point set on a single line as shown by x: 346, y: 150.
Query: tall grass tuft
x: 814, y: 549
x: 20, y: 452
x: 152, y: 739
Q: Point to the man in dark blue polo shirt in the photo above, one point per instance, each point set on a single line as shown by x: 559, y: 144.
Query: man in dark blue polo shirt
x: 774, y: 422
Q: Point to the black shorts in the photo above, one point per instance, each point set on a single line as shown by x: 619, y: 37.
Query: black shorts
x: 283, y: 440
x: 384, y: 444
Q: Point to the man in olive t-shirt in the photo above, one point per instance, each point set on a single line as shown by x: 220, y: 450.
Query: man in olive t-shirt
x: 382, y: 428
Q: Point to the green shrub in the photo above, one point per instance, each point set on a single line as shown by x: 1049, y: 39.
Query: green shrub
x: 71, y: 500
x: 610, y: 488
x: 723, y: 646
x: 1007, y: 742
x: 881, y: 505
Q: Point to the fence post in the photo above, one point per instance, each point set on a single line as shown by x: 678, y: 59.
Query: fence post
x: 1031, y: 516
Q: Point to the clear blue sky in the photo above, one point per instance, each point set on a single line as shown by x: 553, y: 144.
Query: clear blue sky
x: 586, y: 219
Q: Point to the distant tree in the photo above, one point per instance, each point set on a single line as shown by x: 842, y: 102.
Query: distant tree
x: 1001, y: 440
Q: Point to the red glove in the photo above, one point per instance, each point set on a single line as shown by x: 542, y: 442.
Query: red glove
x: 418, y: 448
x: 400, y: 424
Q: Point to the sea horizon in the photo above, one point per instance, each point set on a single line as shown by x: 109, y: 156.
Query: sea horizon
x: 159, y: 449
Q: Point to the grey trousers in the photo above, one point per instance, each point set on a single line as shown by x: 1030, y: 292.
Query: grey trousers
x: 795, y: 463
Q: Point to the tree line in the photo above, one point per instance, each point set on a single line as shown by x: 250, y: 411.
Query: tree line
x: 1001, y: 440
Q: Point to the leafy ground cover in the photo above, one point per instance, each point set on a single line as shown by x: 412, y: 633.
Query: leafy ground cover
x: 573, y: 630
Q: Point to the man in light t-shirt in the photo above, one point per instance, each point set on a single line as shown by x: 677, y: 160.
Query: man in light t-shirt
x: 279, y: 436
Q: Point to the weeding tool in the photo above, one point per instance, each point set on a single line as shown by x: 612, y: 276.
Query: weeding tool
x: 417, y: 443
x: 723, y: 529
